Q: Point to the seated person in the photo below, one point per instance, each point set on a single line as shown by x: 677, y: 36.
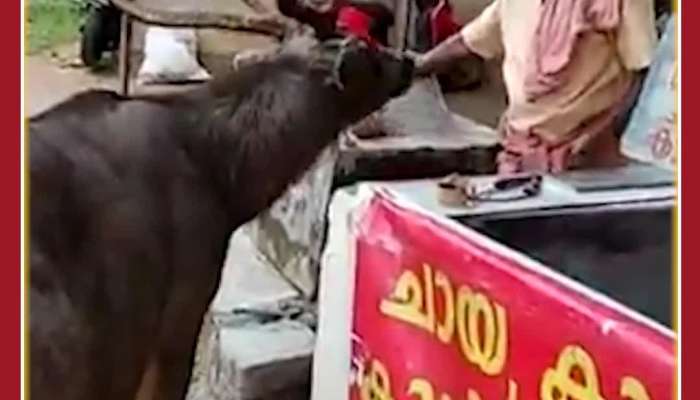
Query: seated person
x: 368, y: 20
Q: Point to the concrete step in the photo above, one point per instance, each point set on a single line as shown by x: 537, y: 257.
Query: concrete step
x: 243, y: 357
x: 260, y: 361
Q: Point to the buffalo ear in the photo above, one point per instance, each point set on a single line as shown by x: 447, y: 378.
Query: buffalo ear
x: 303, y: 44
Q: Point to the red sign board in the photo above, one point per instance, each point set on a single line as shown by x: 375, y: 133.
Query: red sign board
x: 441, y: 313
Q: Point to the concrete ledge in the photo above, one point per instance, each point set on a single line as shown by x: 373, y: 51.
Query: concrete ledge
x: 260, y: 361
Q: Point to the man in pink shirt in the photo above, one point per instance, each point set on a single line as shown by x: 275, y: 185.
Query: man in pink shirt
x: 569, y: 66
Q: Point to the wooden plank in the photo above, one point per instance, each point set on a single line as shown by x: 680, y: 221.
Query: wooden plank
x: 125, y: 54
x: 270, y: 24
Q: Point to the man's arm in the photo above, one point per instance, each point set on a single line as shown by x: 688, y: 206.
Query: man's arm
x: 481, y: 37
x: 637, y: 36
x: 441, y: 57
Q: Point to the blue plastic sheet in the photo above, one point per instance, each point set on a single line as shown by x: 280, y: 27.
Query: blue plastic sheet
x: 651, y: 133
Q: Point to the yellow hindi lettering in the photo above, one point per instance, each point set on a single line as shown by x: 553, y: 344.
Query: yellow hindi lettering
x: 464, y: 298
x: 488, y: 351
x: 422, y: 389
x: 558, y: 383
x: 409, y: 303
x: 632, y: 389
x: 413, y: 301
x: 376, y: 385
x: 511, y: 395
x: 446, y: 328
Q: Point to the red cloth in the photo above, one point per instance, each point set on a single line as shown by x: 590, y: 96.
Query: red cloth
x: 353, y: 21
x: 442, y: 23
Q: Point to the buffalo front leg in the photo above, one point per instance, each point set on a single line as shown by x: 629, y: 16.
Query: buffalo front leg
x: 149, y: 382
x: 168, y: 371
x: 166, y: 376
x: 174, y: 368
x: 180, y: 332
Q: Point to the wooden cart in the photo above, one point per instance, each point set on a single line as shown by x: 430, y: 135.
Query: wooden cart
x: 242, y: 15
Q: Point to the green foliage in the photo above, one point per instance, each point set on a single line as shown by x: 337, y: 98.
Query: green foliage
x: 52, y: 22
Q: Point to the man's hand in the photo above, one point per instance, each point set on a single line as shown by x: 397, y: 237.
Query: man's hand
x: 423, y: 67
x: 247, y: 57
x: 418, y: 62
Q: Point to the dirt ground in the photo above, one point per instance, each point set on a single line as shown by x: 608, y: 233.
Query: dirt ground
x: 54, y: 76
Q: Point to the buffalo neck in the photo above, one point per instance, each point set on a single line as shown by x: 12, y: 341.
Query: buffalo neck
x: 256, y: 141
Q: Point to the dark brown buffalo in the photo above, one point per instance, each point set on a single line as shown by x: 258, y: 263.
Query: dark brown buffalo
x: 133, y: 201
